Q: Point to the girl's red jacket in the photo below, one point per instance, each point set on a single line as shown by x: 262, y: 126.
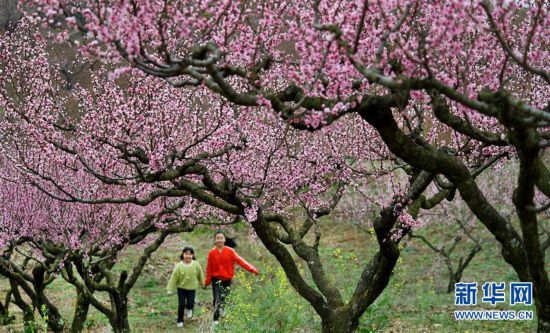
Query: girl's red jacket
x: 221, y: 265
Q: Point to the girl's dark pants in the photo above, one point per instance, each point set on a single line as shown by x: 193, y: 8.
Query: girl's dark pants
x: 186, y: 300
x: 220, y: 290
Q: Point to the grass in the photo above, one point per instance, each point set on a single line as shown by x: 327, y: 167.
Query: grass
x: 415, y: 301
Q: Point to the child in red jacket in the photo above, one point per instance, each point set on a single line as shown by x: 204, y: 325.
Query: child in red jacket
x: 220, y: 269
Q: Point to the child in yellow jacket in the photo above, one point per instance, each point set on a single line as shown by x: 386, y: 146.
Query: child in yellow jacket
x: 186, y: 278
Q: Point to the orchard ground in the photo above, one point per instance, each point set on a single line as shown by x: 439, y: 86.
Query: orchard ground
x: 415, y: 301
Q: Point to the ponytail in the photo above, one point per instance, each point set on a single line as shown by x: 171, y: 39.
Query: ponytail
x: 230, y: 242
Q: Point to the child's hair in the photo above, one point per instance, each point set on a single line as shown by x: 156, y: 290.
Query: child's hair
x: 188, y: 249
x: 228, y: 240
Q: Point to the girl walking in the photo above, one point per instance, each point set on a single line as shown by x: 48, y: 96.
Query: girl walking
x: 220, y: 270
x: 186, y: 278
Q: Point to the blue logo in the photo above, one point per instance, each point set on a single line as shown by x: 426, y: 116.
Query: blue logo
x: 466, y: 293
x: 521, y: 293
x: 493, y: 292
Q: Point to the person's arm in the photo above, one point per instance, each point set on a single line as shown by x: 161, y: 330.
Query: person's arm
x: 208, y: 269
x: 173, y: 282
x: 244, y: 264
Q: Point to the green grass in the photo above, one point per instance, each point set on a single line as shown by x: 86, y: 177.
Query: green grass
x: 415, y: 301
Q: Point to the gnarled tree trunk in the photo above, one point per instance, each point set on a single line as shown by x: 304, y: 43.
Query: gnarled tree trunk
x: 119, y: 319
x: 80, y: 312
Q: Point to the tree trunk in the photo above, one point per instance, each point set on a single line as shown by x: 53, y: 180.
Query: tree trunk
x: 55, y: 320
x: 526, y: 140
x: 543, y: 315
x: 3, y: 310
x: 28, y: 311
x: 119, y: 320
x: 340, y: 321
x: 543, y: 326
x: 5, y: 317
x: 80, y: 313
x: 452, y: 280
